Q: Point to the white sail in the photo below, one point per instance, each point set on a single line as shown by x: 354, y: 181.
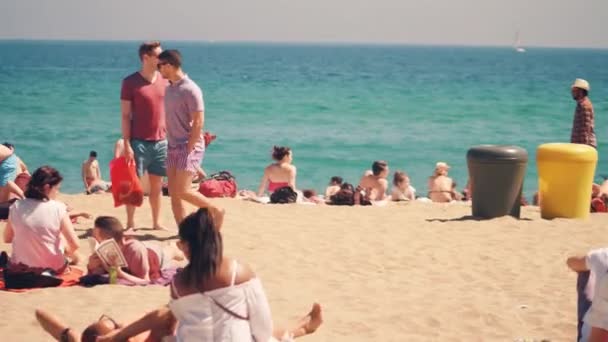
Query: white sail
x: 517, y: 45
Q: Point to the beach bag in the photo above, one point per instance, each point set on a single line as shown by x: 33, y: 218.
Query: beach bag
x: 126, y: 188
x: 5, y: 208
x: 221, y: 184
x: 19, y: 276
x: 284, y: 195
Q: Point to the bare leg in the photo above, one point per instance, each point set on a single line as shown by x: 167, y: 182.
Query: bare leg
x: 4, y: 194
x: 186, y: 193
x: 156, y: 188
x: 307, y: 324
x: 176, y: 203
x: 130, y: 214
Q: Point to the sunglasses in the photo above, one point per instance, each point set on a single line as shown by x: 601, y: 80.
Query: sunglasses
x: 106, y: 317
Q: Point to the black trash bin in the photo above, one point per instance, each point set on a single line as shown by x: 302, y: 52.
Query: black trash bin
x: 496, y: 176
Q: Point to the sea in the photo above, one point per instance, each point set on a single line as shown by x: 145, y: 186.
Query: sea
x: 338, y: 106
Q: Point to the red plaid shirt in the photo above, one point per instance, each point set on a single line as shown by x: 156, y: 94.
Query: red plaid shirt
x: 582, y: 127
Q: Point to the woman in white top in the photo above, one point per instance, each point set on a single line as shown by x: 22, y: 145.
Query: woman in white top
x: 37, y: 222
x: 216, y: 298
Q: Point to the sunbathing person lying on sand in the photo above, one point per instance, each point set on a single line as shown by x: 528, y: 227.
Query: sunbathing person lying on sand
x: 334, y: 186
x: 162, y: 327
x: 144, y: 265
x: 215, y: 298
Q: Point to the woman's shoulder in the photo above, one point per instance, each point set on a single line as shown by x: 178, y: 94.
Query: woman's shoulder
x: 244, y: 273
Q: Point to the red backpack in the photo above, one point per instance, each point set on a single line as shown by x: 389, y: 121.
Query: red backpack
x: 221, y: 184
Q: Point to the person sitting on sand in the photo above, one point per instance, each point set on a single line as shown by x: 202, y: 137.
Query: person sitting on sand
x: 440, y: 185
x: 334, y: 186
x: 280, y: 174
x: 37, y: 224
x: 161, y: 326
x: 91, y: 176
x: 9, y: 166
x: 22, y: 167
x: 592, y: 291
x: 402, y: 189
x: 143, y: 264
x: 376, y: 183
x: 215, y: 298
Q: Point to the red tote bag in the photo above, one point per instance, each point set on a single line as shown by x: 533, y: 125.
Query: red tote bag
x: 126, y: 188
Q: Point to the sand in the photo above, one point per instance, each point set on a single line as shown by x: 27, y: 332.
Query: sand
x: 411, y: 272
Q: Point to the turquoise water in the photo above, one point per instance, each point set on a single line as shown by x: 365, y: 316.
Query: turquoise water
x: 338, y: 106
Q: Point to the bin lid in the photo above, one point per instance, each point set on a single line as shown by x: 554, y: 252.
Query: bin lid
x: 566, y: 152
x: 497, y: 154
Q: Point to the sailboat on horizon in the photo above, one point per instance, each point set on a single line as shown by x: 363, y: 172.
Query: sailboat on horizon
x: 517, y: 44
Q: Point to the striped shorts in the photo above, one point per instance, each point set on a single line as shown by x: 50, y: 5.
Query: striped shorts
x: 179, y: 158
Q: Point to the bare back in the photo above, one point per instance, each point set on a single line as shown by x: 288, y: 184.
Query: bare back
x: 90, y: 169
x: 222, y: 278
x: 279, y: 172
x: 377, y: 185
x: 440, y: 188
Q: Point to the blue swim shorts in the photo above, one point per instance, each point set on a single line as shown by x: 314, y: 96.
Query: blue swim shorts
x: 8, y: 169
x: 150, y: 156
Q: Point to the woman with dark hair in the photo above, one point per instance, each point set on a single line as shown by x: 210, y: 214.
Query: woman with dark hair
x: 216, y: 298
x: 36, y: 223
x: 280, y: 174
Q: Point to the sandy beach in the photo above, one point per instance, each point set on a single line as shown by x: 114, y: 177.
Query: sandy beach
x: 404, y: 272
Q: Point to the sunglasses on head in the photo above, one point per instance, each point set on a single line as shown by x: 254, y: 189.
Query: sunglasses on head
x: 106, y: 317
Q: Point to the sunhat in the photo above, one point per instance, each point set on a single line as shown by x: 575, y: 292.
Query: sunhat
x: 581, y: 83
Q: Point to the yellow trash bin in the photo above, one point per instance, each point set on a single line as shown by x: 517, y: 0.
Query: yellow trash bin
x: 565, y: 177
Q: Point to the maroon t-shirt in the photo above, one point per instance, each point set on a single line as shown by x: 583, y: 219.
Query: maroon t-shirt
x: 147, y: 106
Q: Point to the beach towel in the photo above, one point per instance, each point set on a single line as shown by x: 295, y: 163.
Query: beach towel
x: 126, y: 188
x: 68, y: 278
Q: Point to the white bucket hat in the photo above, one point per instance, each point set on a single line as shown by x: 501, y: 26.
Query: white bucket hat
x: 581, y: 83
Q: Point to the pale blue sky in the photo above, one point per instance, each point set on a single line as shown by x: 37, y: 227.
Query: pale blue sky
x: 577, y: 23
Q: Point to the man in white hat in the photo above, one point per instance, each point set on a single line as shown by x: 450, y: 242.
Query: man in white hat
x: 583, y: 126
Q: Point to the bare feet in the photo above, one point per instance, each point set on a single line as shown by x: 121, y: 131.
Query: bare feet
x: 159, y: 227
x: 313, y: 320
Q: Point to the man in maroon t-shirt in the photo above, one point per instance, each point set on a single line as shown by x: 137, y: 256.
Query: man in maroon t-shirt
x: 143, y: 125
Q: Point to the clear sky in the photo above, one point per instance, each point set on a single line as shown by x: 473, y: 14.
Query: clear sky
x: 574, y: 23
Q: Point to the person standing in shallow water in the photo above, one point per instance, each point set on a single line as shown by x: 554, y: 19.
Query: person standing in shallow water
x: 185, y: 117
x: 143, y: 126
x: 583, y: 130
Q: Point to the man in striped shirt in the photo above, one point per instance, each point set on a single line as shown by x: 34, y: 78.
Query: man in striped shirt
x: 582, y: 127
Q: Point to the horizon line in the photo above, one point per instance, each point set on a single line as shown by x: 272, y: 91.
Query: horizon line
x: 311, y: 42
